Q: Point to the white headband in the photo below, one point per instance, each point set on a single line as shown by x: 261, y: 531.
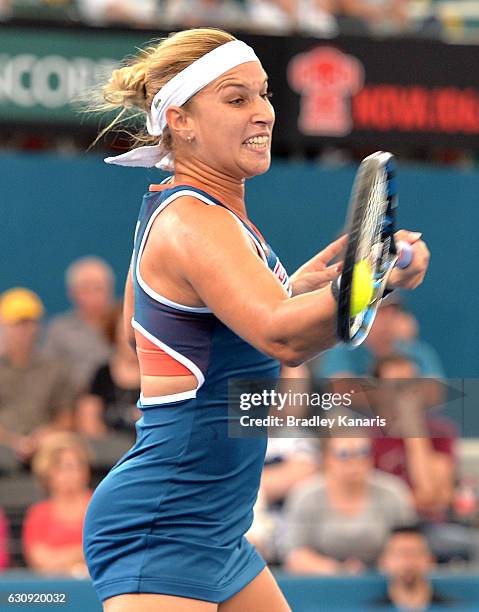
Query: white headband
x: 179, y: 90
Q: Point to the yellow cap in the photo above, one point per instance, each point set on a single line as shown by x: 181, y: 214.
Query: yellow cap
x: 18, y: 303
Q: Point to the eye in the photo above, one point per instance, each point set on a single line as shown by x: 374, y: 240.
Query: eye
x: 268, y: 95
x: 236, y: 101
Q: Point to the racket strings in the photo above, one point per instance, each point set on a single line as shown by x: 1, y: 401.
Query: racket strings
x: 370, y: 244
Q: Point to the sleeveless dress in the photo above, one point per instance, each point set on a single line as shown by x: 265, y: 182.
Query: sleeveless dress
x: 171, y: 515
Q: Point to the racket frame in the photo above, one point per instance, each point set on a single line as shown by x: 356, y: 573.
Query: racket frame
x: 363, y: 185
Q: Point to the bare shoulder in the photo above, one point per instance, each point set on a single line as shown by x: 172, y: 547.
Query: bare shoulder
x: 190, y: 223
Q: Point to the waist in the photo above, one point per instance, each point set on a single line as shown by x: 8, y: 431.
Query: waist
x: 157, y: 386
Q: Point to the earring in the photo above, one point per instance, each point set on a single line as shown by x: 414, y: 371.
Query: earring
x: 189, y: 138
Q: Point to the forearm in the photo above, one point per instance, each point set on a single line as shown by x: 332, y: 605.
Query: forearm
x: 89, y: 416
x: 307, y: 561
x: 429, y: 488
x: 301, y: 327
x: 278, y: 479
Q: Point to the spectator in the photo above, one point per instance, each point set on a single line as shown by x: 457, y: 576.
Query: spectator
x: 36, y: 392
x: 374, y: 16
x: 272, y: 15
x: 338, y: 521
x: 421, y: 452
x: 406, y: 560
x: 78, y: 337
x: 4, y: 537
x: 110, y: 404
x: 312, y: 16
x: 136, y: 13
x: 423, y: 456
x: 316, y: 17
x: 194, y: 13
x: 5, y: 10
x: 52, y: 531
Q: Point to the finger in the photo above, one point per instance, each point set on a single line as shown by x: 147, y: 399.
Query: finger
x: 333, y: 249
x: 324, y: 276
x: 407, y: 236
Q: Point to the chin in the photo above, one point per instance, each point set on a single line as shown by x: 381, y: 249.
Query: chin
x: 258, y: 168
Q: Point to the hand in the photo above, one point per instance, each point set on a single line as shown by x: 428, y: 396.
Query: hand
x: 354, y: 566
x: 316, y: 274
x: 412, y: 276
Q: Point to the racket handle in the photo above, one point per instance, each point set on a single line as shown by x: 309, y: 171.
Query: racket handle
x: 405, y: 254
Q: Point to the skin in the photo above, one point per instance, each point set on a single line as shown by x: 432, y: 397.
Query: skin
x: 191, y: 245
x: 91, y: 292
x: 407, y: 561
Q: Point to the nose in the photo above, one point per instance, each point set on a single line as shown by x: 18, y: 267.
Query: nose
x: 263, y: 112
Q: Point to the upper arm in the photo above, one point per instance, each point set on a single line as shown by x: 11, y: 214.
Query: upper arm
x: 213, y: 255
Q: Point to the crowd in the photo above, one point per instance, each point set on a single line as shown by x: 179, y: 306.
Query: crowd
x: 327, y: 505
x: 314, y: 17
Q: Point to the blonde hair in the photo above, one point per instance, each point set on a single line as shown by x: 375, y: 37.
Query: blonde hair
x: 131, y: 89
x: 47, y: 455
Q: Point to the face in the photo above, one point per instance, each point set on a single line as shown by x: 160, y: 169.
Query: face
x: 69, y: 473
x: 231, y: 121
x: 406, y: 558
x: 21, y: 335
x: 92, y: 291
x: 348, y: 459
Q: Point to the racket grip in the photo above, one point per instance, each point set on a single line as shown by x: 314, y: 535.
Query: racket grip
x: 405, y: 254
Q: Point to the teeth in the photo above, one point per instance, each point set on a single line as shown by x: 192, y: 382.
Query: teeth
x: 258, y: 140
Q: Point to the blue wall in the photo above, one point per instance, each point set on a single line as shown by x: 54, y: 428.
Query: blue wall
x: 304, y: 593
x: 54, y: 210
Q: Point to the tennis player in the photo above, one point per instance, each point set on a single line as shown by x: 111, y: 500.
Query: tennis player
x: 208, y: 301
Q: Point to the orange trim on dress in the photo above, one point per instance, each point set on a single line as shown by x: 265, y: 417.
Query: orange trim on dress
x: 154, y: 361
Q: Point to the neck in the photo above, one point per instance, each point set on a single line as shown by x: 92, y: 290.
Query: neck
x: 92, y: 318
x: 417, y: 594
x: 68, y: 496
x: 351, y: 490
x: 227, y: 189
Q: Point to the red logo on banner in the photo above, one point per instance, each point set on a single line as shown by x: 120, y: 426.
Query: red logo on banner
x: 326, y: 78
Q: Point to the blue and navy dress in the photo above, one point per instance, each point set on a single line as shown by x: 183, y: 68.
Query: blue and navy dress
x: 171, y: 515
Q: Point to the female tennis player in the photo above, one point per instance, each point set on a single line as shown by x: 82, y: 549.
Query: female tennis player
x: 208, y: 301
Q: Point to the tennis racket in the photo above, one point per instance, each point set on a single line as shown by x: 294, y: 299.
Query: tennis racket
x: 370, y: 229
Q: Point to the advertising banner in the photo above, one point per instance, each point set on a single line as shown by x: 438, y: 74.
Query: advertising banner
x: 350, y: 90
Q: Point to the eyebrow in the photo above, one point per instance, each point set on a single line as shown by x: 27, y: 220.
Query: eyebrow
x: 239, y: 85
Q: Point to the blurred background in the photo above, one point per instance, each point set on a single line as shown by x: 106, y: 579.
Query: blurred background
x: 349, y: 77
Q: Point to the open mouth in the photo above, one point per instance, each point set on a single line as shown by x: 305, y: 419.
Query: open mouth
x: 257, y: 143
